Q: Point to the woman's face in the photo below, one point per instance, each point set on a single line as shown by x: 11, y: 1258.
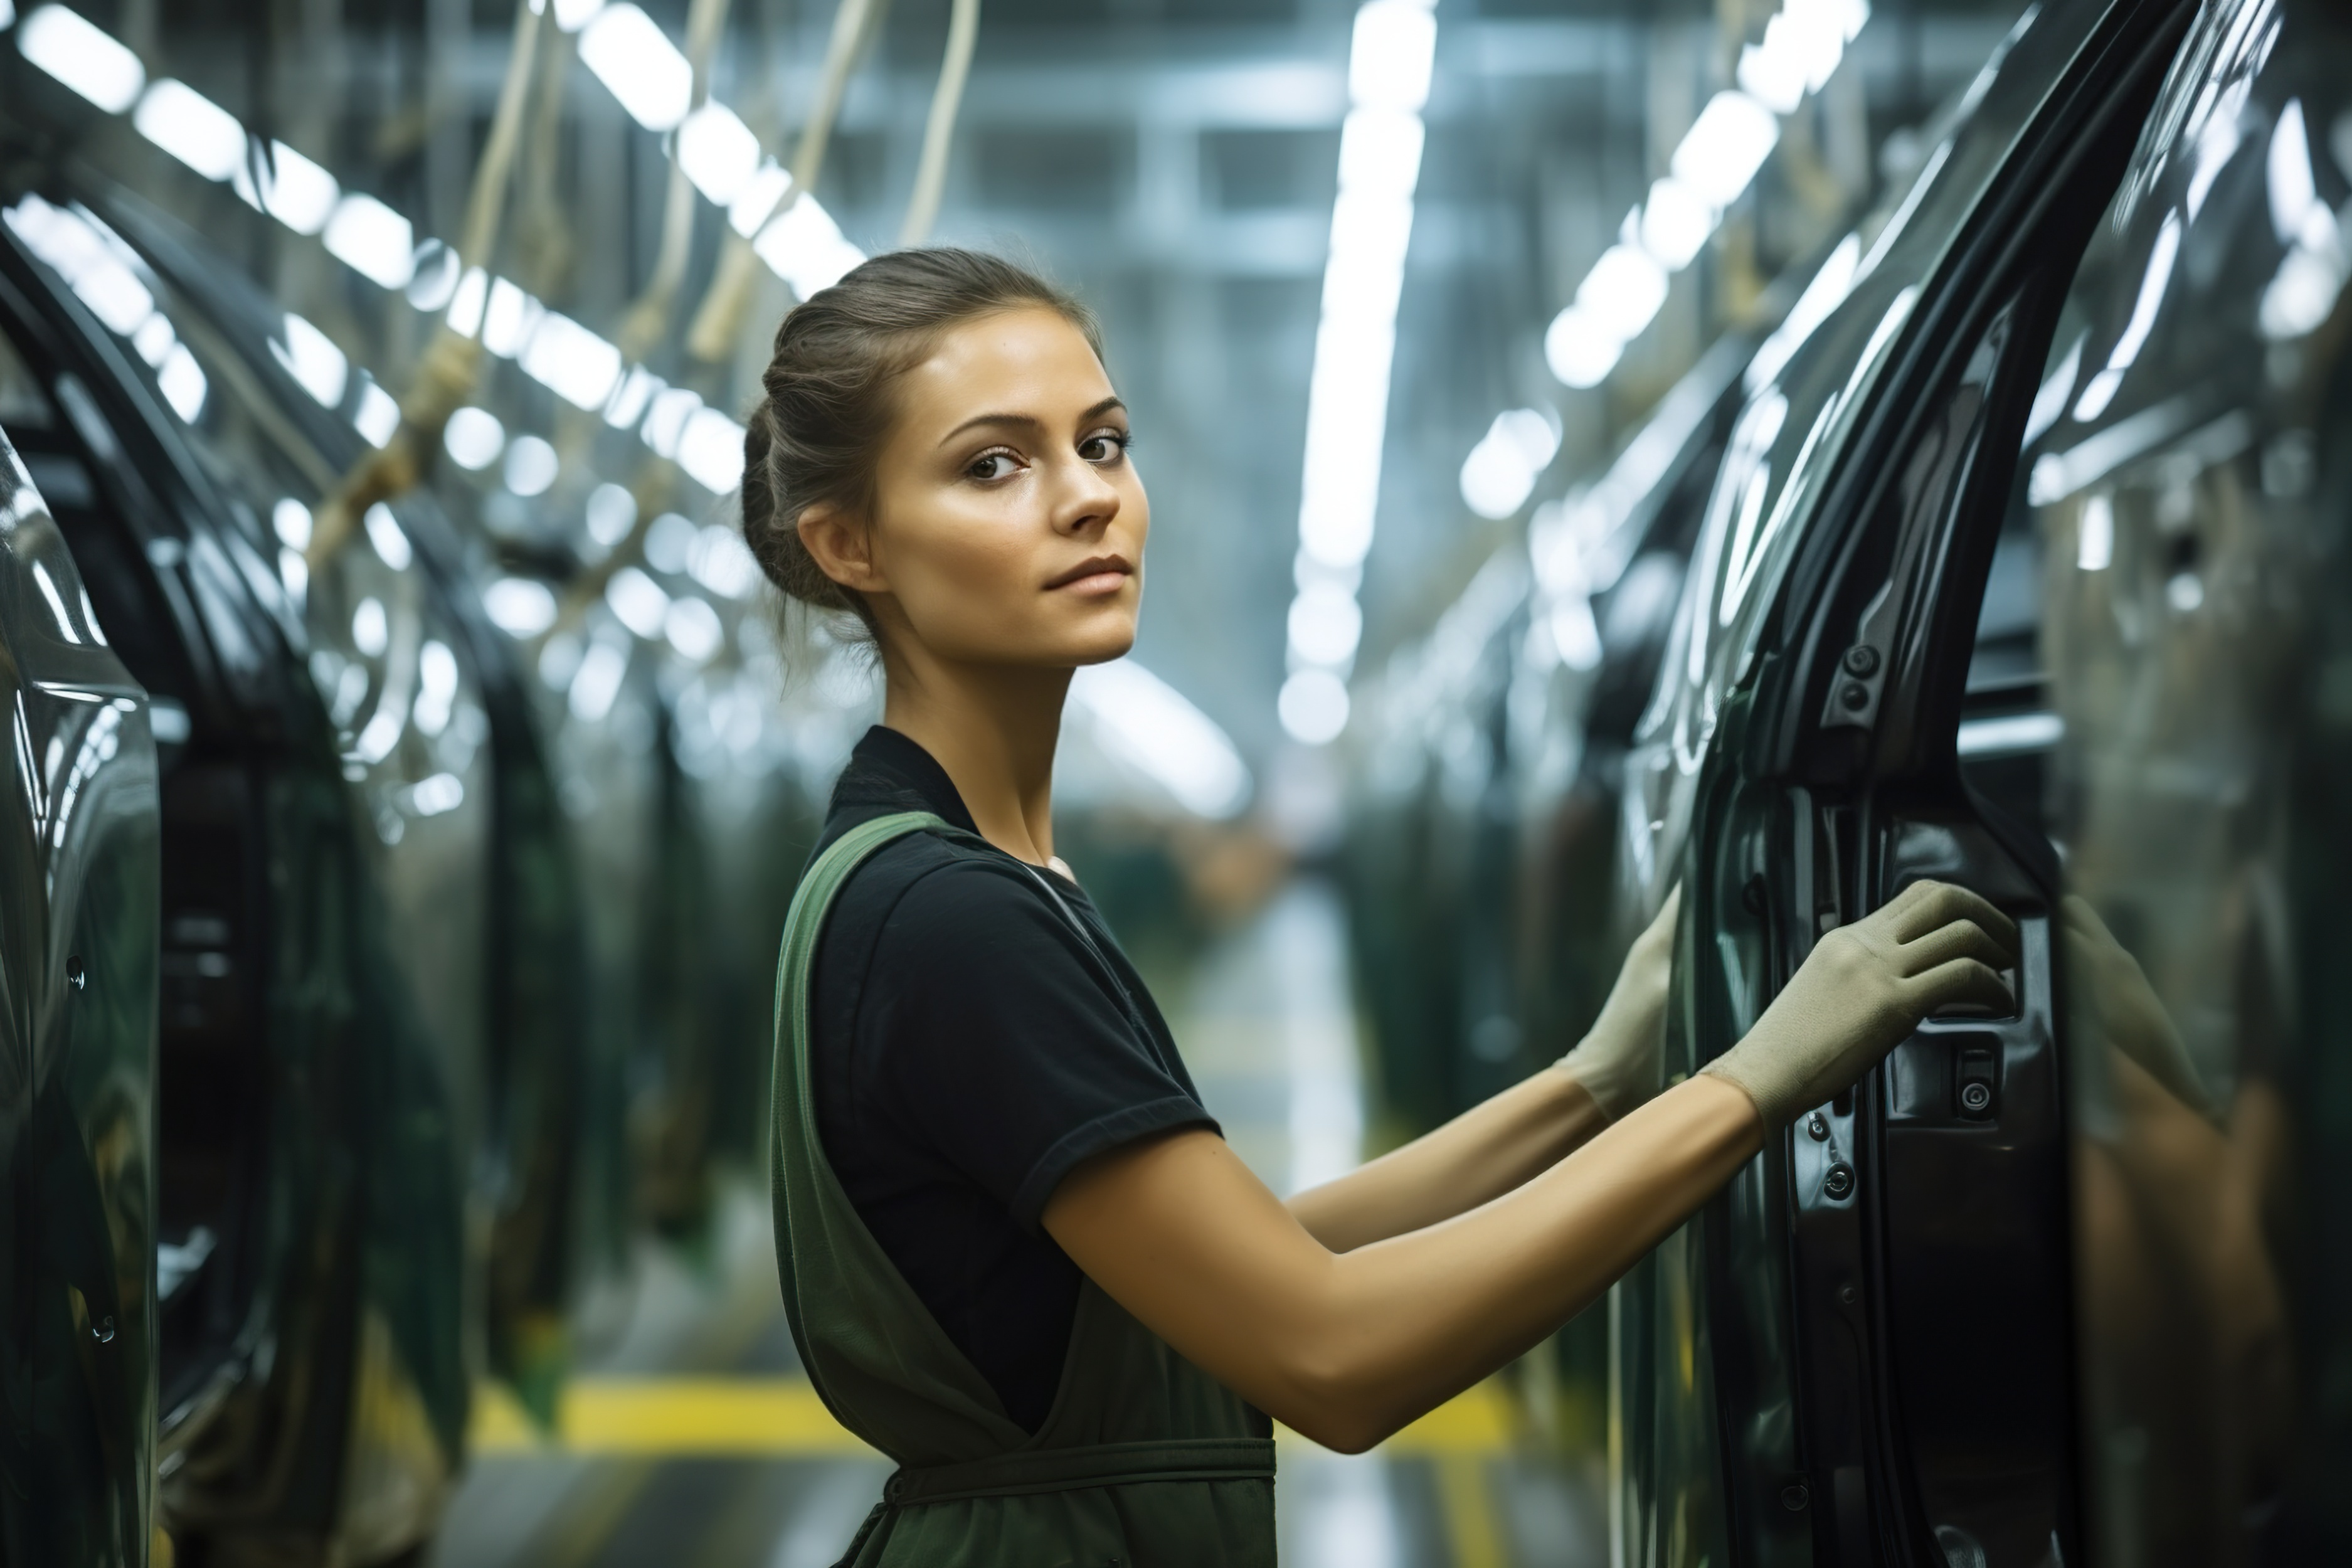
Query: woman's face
x: 1008, y: 521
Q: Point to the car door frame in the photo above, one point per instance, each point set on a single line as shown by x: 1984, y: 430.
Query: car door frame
x: 1834, y: 762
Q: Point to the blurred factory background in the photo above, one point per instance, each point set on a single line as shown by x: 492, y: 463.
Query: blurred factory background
x: 445, y: 313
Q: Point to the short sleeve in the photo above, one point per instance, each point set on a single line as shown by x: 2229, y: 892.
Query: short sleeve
x: 1001, y: 1041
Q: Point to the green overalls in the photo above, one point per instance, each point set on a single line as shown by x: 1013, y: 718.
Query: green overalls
x: 1144, y: 1459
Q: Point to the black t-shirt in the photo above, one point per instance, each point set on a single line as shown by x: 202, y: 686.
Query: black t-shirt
x: 969, y: 1047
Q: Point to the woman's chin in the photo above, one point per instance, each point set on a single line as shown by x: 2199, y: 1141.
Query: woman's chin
x: 1102, y: 650
x: 1107, y: 637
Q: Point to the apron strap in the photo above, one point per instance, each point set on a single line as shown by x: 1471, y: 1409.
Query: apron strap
x: 1096, y: 1465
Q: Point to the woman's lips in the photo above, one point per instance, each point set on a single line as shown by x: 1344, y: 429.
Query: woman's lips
x: 1103, y: 574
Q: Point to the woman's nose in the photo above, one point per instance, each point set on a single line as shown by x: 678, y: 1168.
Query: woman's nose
x: 1087, y: 500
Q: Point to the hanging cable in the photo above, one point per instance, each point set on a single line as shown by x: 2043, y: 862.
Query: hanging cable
x: 719, y: 321
x: 646, y: 324
x: 939, y: 130
x: 854, y: 27
x: 446, y: 372
x: 648, y: 318
x: 543, y: 242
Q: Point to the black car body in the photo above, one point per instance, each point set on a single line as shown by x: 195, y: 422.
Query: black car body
x: 375, y: 1108
x: 78, y: 951
x: 460, y: 957
x: 309, y: 1225
x: 2064, y: 1285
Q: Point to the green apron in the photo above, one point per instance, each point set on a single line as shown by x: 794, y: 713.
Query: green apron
x: 1144, y: 1459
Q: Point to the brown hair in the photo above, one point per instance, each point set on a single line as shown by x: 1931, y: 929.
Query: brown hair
x: 817, y: 434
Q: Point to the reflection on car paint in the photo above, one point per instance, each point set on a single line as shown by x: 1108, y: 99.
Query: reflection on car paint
x: 379, y: 1120
x: 2192, y: 538
x: 1806, y: 411
x: 1816, y: 1363
x: 76, y: 1054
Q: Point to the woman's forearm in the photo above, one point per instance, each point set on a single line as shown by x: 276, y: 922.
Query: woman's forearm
x: 1347, y: 1347
x: 1478, y: 1156
x: 1414, y: 1319
x: 1525, y: 1130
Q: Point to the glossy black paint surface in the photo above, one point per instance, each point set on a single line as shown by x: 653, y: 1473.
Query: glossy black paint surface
x: 451, y: 956
x: 78, y: 960
x: 1885, y: 1300
x: 2191, y: 508
x: 340, y: 941
x: 300, y: 1214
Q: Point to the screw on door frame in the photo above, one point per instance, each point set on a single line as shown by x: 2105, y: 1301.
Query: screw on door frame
x: 1976, y: 1085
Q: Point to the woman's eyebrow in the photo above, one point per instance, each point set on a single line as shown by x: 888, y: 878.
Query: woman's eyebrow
x: 1029, y: 420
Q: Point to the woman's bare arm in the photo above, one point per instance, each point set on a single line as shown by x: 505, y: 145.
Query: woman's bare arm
x: 1478, y: 1156
x: 1348, y: 1347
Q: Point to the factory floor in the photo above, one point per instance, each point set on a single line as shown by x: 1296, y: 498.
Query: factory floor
x: 690, y: 1438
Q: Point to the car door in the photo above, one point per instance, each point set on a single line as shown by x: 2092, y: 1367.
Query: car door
x: 78, y: 928
x: 1861, y: 1351
x: 317, y: 1071
x: 484, y: 883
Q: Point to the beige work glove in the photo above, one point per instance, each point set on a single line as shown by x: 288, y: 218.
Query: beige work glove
x: 1863, y: 989
x: 1617, y: 1062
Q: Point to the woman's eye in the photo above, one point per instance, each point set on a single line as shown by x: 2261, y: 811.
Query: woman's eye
x: 991, y: 466
x: 1105, y: 446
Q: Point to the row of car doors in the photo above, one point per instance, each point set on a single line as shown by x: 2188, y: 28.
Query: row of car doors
x: 349, y: 964
x: 2027, y: 570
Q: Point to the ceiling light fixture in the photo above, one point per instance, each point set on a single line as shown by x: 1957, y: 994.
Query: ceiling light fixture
x: 83, y: 58
x: 1392, y: 55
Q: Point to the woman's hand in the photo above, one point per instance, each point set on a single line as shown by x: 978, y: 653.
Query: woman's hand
x: 1617, y: 1062
x: 1864, y: 988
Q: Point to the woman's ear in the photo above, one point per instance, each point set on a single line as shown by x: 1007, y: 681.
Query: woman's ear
x: 842, y: 546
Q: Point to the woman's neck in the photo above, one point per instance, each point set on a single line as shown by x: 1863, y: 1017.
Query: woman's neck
x: 993, y: 729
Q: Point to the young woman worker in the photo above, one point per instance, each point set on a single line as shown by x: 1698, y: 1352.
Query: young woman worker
x: 1016, y: 1254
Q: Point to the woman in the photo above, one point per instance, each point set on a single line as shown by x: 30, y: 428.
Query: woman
x: 1017, y: 1253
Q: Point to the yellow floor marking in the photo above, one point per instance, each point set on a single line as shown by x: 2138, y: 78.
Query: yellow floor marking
x: 680, y: 1416
x: 780, y: 1418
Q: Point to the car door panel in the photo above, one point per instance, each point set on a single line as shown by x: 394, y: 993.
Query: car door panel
x: 1926, y: 1264
x: 78, y: 917
x: 1930, y: 1252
